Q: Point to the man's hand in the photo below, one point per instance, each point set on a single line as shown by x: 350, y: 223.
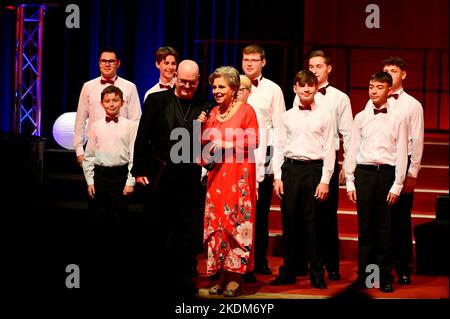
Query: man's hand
x: 352, y: 196
x: 80, y: 159
x: 409, y: 185
x: 321, y: 193
x: 91, y: 191
x: 278, y: 188
x: 143, y: 180
x: 128, y: 190
x: 342, y: 177
x: 391, y: 199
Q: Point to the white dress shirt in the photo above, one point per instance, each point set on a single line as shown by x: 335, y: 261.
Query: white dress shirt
x: 158, y: 88
x: 337, y: 103
x: 267, y: 100
x: 413, y: 112
x: 110, y: 145
x: 376, y: 140
x: 306, y: 135
x: 89, y: 107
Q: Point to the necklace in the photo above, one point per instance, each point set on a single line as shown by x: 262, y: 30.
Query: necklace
x: 224, y: 115
x: 184, y: 115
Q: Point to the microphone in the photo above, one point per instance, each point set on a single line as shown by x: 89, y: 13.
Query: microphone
x: 208, y: 106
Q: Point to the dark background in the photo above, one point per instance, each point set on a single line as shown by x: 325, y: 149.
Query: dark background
x: 213, y: 33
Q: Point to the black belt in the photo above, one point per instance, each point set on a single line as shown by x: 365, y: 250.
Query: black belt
x: 381, y: 167
x: 302, y: 162
x: 105, y: 169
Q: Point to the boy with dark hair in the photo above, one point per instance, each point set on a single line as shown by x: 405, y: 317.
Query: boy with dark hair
x: 108, y: 159
x: 375, y: 170
x: 401, y: 217
x: 166, y: 60
x: 303, y: 165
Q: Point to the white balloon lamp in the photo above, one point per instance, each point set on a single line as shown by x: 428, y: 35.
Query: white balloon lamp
x: 64, y: 129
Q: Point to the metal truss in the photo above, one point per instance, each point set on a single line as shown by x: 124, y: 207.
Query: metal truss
x: 29, y: 32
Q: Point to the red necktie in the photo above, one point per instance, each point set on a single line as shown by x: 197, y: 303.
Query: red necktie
x: 395, y: 96
x: 323, y: 90
x: 376, y: 111
x: 163, y: 86
x: 255, y: 82
x: 306, y: 107
x: 103, y: 81
x: 109, y: 119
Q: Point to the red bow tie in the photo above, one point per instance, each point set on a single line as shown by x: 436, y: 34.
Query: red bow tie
x: 255, y: 82
x: 376, y: 111
x: 109, y: 119
x: 163, y: 86
x: 395, y: 96
x: 306, y: 107
x: 323, y: 90
x: 103, y: 81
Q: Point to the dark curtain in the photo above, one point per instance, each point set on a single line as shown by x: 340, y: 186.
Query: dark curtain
x: 136, y: 29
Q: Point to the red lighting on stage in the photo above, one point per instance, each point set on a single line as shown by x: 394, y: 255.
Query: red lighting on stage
x: 10, y: 7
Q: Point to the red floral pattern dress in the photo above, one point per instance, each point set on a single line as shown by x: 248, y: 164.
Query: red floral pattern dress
x: 231, y: 195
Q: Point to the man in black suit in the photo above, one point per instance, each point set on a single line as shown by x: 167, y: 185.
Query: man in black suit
x: 172, y: 202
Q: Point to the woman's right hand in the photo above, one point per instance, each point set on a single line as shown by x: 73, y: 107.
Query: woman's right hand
x: 202, y: 117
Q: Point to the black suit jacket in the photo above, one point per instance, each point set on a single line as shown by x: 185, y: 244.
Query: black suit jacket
x: 158, y: 120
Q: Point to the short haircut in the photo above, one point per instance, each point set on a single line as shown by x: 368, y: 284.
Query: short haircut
x: 326, y: 57
x: 229, y: 73
x: 245, y: 81
x: 163, y: 52
x: 395, y: 60
x: 109, y: 49
x: 112, y: 89
x: 305, y: 77
x: 382, y: 77
x: 254, y: 48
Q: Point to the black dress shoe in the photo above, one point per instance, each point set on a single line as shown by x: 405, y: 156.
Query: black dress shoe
x: 386, y: 287
x: 264, y: 270
x: 358, y: 284
x: 250, y: 277
x: 404, y: 280
x: 282, y: 279
x: 318, y: 282
x: 334, y: 276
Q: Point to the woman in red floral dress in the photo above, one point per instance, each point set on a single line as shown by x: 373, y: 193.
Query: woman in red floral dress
x: 231, y: 132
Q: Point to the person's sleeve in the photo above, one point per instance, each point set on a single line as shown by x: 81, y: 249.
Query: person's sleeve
x: 417, y: 133
x: 350, y: 161
x: 142, y: 145
x: 345, y: 121
x: 134, y: 105
x: 401, y: 161
x: 89, y: 157
x: 133, y: 131
x: 329, y: 150
x: 279, y: 146
x: 80, y: 122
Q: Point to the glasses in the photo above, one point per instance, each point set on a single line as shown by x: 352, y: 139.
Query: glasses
x: 186, y: 82
x: 250, y: 60
x: 243, y: 89
x: 105, y: 62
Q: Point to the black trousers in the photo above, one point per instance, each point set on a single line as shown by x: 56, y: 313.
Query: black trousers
x: 374, y: 219
x: 109, y: 205
x: 402, y: 233
x: 262, y: 217
x: 302, y: 218
x: 331, y: 234
x: 174, y: 224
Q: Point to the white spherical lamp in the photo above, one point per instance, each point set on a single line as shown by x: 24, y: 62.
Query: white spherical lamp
x: 63, y: 130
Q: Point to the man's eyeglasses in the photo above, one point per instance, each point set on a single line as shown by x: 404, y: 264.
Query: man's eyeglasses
x: 251, y: 60
x: 186, y: 82
x: 105, y: 62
